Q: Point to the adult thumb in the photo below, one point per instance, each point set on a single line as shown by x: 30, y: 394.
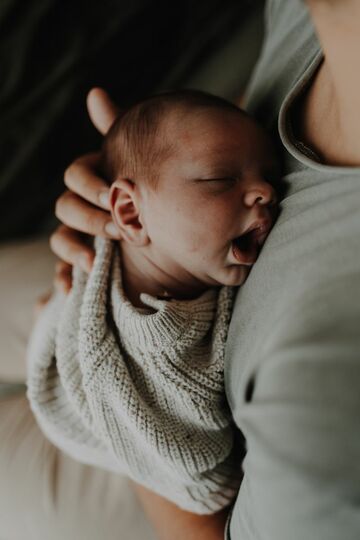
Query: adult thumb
x: 101, y: 109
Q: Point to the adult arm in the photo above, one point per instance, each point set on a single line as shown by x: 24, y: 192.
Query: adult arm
x: 172, y: 523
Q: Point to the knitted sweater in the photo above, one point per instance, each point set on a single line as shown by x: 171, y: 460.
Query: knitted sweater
x: 135, y: 392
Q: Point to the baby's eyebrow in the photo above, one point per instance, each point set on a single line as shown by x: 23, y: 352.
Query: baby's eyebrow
x: 218, y: 164
x: 220, y: 171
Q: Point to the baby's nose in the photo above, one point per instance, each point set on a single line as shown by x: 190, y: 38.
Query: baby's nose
x: 259, y: 192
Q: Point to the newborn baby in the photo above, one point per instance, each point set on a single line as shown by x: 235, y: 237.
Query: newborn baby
x: 126, y: 373
x: 191, y: 193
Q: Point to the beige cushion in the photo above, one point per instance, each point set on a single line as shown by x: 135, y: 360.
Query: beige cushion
x: 26, y: 272
x: 44, y: 494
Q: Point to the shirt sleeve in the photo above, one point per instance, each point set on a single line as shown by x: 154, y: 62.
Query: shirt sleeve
x: 301, y: 424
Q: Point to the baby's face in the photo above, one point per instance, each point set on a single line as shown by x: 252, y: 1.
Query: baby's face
x: 214, y: 206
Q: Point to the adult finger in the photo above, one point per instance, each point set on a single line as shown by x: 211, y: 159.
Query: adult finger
x: 81, y: 178
x: 75, y: 212
x: 41, y: 302
x: 63, y: 276
x: 71, y: 247
x: 102, y: 110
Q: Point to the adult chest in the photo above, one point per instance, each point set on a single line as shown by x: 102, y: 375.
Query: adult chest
x: 314, y: 246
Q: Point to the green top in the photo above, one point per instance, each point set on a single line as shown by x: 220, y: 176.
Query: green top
x: 293, y: 355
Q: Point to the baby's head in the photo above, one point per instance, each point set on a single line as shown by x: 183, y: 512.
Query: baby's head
x: 192, y: 185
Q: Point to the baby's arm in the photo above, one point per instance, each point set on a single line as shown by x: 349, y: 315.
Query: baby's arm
x: 155, y: 417
x: 171, y: 427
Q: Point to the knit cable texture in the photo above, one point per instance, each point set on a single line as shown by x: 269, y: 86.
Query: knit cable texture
x: 138, y: 393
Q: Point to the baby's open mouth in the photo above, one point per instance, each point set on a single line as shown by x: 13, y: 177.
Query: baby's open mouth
x: 246, y: 247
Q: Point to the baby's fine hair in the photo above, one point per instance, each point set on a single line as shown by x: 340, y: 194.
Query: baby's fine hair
x: 136, y: 146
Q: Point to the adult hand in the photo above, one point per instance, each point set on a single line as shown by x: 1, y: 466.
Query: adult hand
x: 84, y: 208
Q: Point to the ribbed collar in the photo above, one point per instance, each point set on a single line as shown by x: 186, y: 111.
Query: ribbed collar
x: 182, y: 321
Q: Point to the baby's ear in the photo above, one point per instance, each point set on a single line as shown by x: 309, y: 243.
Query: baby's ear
x: 125, y: 211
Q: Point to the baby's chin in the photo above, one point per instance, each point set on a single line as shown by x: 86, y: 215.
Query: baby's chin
x: 236, y: 276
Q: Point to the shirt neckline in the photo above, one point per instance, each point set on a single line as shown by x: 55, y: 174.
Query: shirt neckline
x: 295, y: 147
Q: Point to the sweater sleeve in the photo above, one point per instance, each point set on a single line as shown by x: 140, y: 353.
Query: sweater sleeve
x: 143, y: 394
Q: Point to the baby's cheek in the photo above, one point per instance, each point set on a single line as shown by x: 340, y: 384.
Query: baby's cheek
x: 198, y: 243
x: 194, y: 246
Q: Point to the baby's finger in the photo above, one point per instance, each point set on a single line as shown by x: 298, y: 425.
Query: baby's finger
x: 70, y: 246
x: 81, y: 178
x: 75, y: 212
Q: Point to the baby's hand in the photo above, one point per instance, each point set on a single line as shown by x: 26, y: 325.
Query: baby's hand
x: 84, y: 207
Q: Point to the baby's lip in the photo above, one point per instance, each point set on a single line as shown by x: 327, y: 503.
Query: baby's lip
x: 260, y: 228
x: 246, y: 247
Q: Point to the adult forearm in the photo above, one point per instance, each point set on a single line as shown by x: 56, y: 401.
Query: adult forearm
x: 172, y: 523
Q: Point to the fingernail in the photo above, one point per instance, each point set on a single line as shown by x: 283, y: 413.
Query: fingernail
x: 112, y: 230
x: 104, y: 199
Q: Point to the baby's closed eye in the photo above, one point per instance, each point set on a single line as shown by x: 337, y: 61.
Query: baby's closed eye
x: 225, y: 179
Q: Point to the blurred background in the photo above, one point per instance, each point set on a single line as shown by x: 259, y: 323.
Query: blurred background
x: 53, y: 51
